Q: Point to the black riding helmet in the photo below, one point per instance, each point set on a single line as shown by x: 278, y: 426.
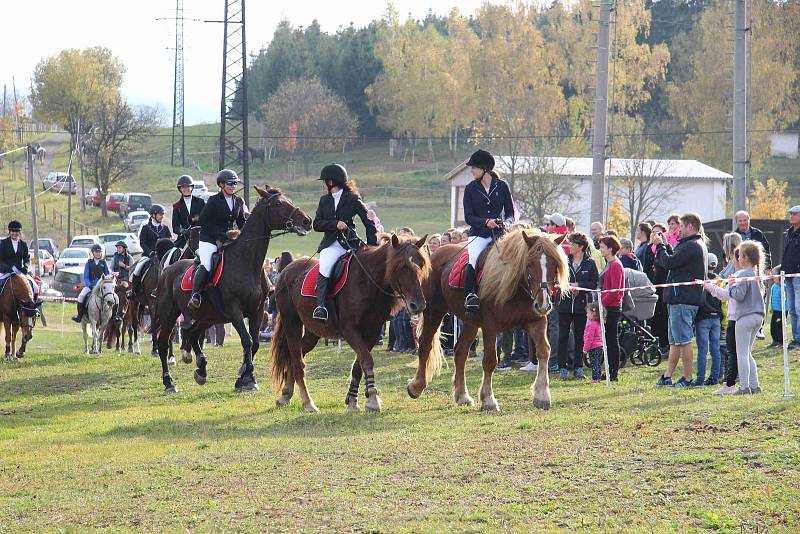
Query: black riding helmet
x: 15, y: 226
x: 227, y: 175
x: 481, y: 159
x: 155, y: 209
x: 122, y: 244
x: 184, y: 181
x: 335, y: 173
x: 97, y: 248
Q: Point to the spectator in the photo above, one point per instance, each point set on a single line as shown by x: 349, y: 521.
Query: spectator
x: 612, y: 232
x: 730, y: 242
x: 464, y: 237
x: 520, y: 353
x: 434, y: 242
x: 658, y: 275
x: 626, y: 255
x: 596, y: 229
x: 372, y: 216
x: 570, y: 224
x: 731, y: 365
x: 707, y: 331
x: 776, y: 324
x: 593, y: 340
x: 687, y: 263
x: 505, y: 346
x: 612, y: 277
x: 643, y: 231
x: 791, y: 265
x: 572, y: 304
x: 445, y: 239
x: 673, y: 234
x: 555, y: 224
x: 747, y: 232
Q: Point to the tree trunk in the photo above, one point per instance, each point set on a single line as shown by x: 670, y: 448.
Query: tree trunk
x: 431, y: 154
x: 450, y: 141
x: 103, y: 208
x: 413, y: 150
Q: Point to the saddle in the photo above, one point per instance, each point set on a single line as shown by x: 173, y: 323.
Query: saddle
x: 340, y: 271
x: 217, y: 265
x: 456, y: 278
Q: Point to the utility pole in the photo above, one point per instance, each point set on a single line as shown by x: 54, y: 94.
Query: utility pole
x: 177, y: 93
x: 70, y: 181
x: 79, y: 149
x: 600, y: 114
x: 739, y: 109
x: 31, y: 154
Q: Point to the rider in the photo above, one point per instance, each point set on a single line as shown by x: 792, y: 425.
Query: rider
x: 222, y: 211
x: 186, y: 211
x: 121, y: 263
x: 335, y: 217
x: 148, y: 237
x: 14, y: 257
x: 93, y: 271
x: 487, y: 205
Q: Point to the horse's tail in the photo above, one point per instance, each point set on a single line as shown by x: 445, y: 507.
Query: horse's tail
x: 436, y: 359
x: 280, y: 356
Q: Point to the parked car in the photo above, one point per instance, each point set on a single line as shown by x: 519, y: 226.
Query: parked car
x: 47, y: 264
x: 113, y: 201
x: 50, y: 245
x: 110, y: 240
x: 73, y: 257
x: 200, y: 190
x: 92, y: 196
x: 134, y: 202
x: 135, y: 219
x: 69, y: 281
x: 60, y: 182
x: 84, y: 241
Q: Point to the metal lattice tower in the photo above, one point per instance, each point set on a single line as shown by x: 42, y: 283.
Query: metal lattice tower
x: 233, y: 149
x: 178, y: 136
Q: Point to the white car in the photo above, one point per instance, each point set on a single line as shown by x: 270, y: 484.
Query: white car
x: 135, y: 219
x: 200, y: 190
x: 84, y: 241
x: 110, y: 241
x: 73, y: 257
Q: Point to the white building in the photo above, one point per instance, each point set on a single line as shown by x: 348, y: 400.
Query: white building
x: 678, y: 186
x: 784, y: 144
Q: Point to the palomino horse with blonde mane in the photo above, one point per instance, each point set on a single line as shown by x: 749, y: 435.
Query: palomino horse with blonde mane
x: 17, y: 311
x: 519, y: 273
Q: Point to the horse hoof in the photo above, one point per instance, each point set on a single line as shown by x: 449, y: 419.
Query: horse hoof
x: 246, y: 387
x: 186, y: 356
x: 130, y: 350
x: 490, y: 406
x: 373, y: 404
x: 200, y: 379
x: 352, y: 408
x: 171, y: 360
x: 541, y: 404
x: 411, y: 392
x: 465, y: 400
x: 170, y: 389
x: 20, y: 355
x: 311, y: 408
x: 282, y: 401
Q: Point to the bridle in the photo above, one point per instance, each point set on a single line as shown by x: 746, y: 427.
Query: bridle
x: 287, y: 220
x: 544, y: 285
x: 399, y: 292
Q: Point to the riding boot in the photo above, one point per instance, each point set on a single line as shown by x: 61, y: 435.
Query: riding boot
x: 471, y: 301
x: 199, y: 282
x: 81, y: 310
x: 132, y: 286
x: 321, y: 312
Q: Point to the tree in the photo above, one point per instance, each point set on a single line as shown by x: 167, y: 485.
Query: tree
x: 769, y: 200
x: 542, y: 187
x: 618, y: 218
x: 118, y: 131
x: 317, y: 119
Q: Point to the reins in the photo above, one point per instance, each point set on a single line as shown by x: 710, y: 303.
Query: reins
x: 369, y: 276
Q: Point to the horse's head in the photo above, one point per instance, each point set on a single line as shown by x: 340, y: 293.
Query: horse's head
x: 280, y: 213
x: 546, y: 267
x: 407, y: 267
x: 105, y: 290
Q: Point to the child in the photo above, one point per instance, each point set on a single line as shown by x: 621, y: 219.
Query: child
x: 776, y: 324
x: 593, y: 340
x: 708, y: 325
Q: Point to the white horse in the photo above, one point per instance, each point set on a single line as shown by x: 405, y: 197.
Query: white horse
x: 99, y: 310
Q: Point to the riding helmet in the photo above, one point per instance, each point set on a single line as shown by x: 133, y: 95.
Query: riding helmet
x: 97, y: 248
x: 335, y: 173
x: 481, y: 159
x: 156, y: 209
x: 122, y: 244
x: 15, y: 226
x: 225, y: 175
x: 184, y: 181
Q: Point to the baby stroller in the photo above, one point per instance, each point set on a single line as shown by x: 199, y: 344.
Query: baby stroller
x: 636, y: 342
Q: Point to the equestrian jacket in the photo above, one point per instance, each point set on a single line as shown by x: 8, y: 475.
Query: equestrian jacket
x: 93, y: 271
x: 328, y: 214
x: 585, y: 276
x: 216, y: 218
x: 115, y: 265
x: 481, y: 205
x: 687, y: 263
x: 757, y: 235
x: 10, y: 259
x: 183, y: 219
x: 149, y: 236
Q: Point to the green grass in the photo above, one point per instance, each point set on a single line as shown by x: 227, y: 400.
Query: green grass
x: 89, y: 442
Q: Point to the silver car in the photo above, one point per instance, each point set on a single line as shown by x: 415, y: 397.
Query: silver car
x: 109, y: 242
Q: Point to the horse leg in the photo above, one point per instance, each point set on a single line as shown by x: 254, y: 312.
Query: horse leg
x: 431, y: 323
x: 461, y: 350
x: 163, y: 332
x: 351, y: 399
x: 541, y: 386
x: 307, y: 344
x: 171, y: 359
x: 254, y: 326
x: 246, y: 381
x: 186, y: 345
x: 7, y: 326
x: 297, y: 367
x: 367, y: 363
x: 195, y: 337
x: 85, y: 336
x: 488, y: 402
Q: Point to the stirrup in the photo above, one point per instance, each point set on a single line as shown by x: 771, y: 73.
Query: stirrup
x: 472, y: 303
x: 320, y: 313
x: 195, y: 301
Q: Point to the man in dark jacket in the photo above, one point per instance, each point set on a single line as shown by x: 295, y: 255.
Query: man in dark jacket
x: 747, y: 232
x: 791, y: 265
x: 687, y: 263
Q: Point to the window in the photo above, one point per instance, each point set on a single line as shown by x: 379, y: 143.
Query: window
x: 67, y: 277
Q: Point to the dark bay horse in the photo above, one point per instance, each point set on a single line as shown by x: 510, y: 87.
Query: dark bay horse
x: 380, y: 279
x: 519, y: 273
x: 242, y: 289
x: 17, y: 311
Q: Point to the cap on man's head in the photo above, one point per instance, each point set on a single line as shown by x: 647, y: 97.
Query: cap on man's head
x: 712, y: 260
x: 556, y: 218
x: 794, y: 209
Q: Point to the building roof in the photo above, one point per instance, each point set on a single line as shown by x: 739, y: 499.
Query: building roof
x: 615, y: 167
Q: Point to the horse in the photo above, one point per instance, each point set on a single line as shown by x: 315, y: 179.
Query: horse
x: 41, y: 154
x: 187, y: 252
x: 17, y: 311
x: 148, y: 282
x: 100, y: 305
x: 520, y: 271
x: 115, y: 330
x: 241, y: 288
x: 257, y: 153
x: 130, y: 326
x: 380, y: 280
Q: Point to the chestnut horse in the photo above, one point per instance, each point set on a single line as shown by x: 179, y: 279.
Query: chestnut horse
x: 380, y: 279
x: 242, y: 289
x: 520, y: 271
x: 17, y: 311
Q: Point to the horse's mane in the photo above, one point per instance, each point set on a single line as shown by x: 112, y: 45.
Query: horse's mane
x: 397, y: 258
x: 26, y: 287
x: 505, y: 264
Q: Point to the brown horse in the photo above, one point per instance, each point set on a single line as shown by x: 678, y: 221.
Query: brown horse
x: 17, y: 311
x: 380, y: 279
x: 519, y: 273
x: 115, y: 330
x: 242, y: 289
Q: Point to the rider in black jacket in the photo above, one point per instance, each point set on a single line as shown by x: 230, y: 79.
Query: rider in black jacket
x: 186, y: 211
x: 149, y: 235
x: 334, y: 217
x: 15, y: 257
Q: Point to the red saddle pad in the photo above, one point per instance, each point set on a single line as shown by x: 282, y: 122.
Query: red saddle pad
x: 188, y: 277
x: 456, y: 278
x: 309, y: 288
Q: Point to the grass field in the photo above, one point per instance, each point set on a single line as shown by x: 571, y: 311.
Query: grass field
x: 89, y: 442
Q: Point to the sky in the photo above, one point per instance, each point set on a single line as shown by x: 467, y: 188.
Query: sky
x: 139, y: 33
